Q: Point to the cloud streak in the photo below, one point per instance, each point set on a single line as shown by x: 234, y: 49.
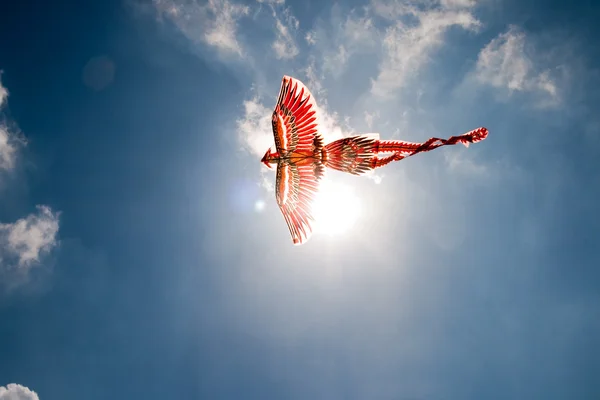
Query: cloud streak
x: 506, y: 63
x: 8, y: 150
x: 255, y: 126
x: 416, y: 33
x: 3, y: 92
x: 341, y: 37
x: 285, y: 45
x: 8, y: 147
x: 214, y: 23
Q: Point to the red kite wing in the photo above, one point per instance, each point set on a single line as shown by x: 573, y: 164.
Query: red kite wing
x: 296, y: 187
x: 294, y: 119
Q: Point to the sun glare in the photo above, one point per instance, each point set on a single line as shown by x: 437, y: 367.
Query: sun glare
x: 259, y: 205
x: 336, y: 208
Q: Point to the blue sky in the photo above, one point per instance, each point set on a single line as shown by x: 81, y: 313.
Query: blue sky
x: 135, y: 263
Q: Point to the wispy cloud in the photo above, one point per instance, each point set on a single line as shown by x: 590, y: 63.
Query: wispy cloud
x: 29, y: 238
x: 14, y: 391
x: 370, y: 117
x: 285, y: 45
x: 458, y: 3
x: 344, y: 34
x: 507, y: 63
x: 413, y: 36
x: 214, y: 23
x: 310, y: 37
x: 255, y: 126
x: 463, y: 162
x: 357, y: 35
x: 3, y: 92
x: 399, y: 37
x: 8, y: 147
x: 8, y: 150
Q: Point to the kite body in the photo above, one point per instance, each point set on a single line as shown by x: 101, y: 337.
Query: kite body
x: 301, y: 156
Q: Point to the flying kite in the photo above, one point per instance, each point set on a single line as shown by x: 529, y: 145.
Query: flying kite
x: 301, y: 156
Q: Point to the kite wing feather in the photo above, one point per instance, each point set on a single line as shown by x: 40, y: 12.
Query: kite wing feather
x: 294, y: 118
x: 296, y: 187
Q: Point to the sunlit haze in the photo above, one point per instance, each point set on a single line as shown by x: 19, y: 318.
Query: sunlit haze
x: 336, y: 208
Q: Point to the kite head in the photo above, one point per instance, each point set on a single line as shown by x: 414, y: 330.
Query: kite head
x: 269, y: 158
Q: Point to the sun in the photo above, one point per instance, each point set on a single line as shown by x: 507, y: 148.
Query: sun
x: 336, y: 208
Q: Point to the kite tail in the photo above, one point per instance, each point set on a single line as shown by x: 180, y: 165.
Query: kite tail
x: 401, y: 149
x: 359, y: 154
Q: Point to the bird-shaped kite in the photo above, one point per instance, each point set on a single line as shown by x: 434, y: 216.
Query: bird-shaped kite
x: 301, y: 156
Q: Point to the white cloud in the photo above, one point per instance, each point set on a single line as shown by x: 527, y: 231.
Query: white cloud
x: 336, y: 60
x: 8, y: 150
x: 358, y: 35
x: 462, y: 162
x: 329, y: 124
x: 314, y: 80
x: 409, y: 42
x: 400, y: 36
x: 506, y: 63
x: 214, y: 23
x: 458, y: 3
x: 254, y: 131
x: 10, y: 141
x: 255, y: 127
x: 285, y: 45
x: 3, y: 93
x: 392, y: 9
x: 14, y: 391
x: 27, y: 239
x: 370, y: 117
x: 344, y: 35
x: 359, y: 30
